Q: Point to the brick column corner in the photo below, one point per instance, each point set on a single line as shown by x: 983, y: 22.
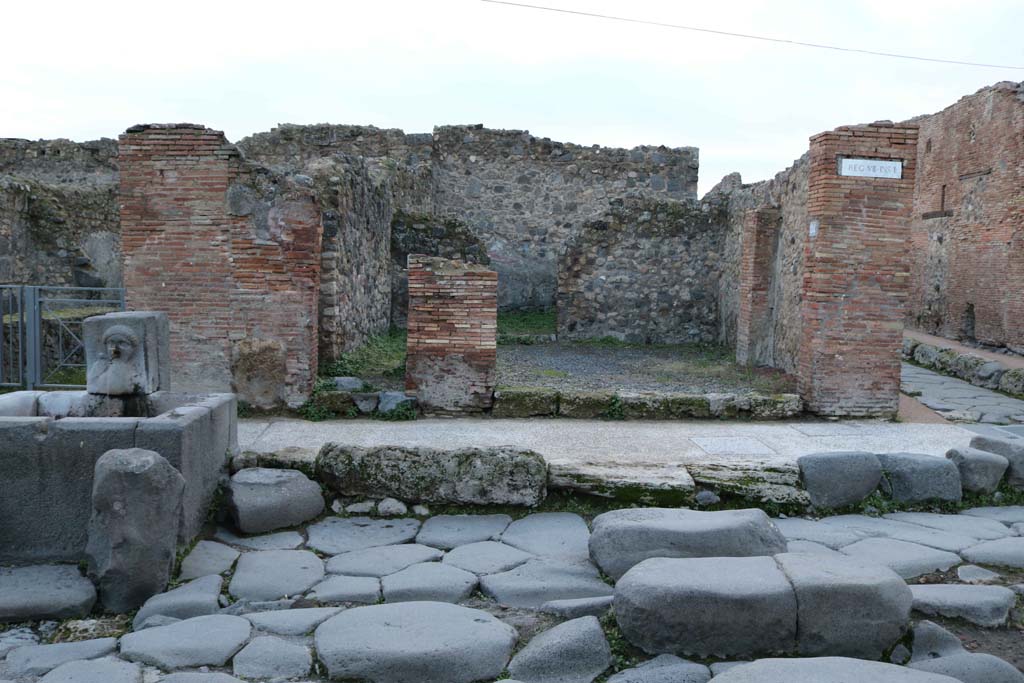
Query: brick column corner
x: 757, y: 242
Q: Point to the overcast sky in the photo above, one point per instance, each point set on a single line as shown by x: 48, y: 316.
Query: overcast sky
x: 91, y: 69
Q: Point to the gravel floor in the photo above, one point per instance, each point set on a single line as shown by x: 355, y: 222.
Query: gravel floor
x: 689, y: 369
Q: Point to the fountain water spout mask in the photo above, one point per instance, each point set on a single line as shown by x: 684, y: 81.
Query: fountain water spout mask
x: 126, y: 353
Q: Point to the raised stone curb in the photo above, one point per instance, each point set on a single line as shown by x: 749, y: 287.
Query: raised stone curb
x: 839, y: 479
x: 917, y: 478
x: 980, y: 471
x: 263, y: 499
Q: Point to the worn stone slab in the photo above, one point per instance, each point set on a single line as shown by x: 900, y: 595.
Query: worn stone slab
x: 450, y: 531
x: 980, y: 471
x: 263, y: 499
x: 382, y: 560
x: 839, y: 479
x: 812, y: 548
x: 971, y: 667
x: 664, y: 669
x: 36, y: 660
x: 335, y: 589
x: 195, y: 598
x: 579, y: 607
x: 623, y: 538
x: 282, y: 540
x: 916, y: 478
x: 845, y: 607
x: 973, y: 574
x: 274, y: 658
x: 415, y: 642
x: 44, y: 592
x: 429, y: 581
x: 201, y: 641
x: 336, y: 535
x: 272, y: 574
x: 707, y: 606
x: 906, y: 559
x: 798, y: 529
x: 207, y: 557
x: 820, y: 669
x: 1011, y: 449
x: 646, y: 483
x: 574, y: 651
x: 191, y: 677
x: 543, y: 579
x: 1006, y: 514
x: 13, y: 638
x: 987, y: 606
x: 1004, y: 552
x: 486, y: 557
x: 291, y: 622
x: 961, y: 525
x: 902, y: 531
x: 559, y: 535
x: 95, y: 671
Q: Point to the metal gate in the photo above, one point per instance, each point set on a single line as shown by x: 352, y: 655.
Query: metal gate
x: 41, y: 333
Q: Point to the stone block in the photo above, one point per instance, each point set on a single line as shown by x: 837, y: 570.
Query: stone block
x: 127, y: 353
x: 263, y: 500
x: 980, y: 471
x: 483, y: 476
x: 821, y: 669
x: 1012, y: 450
x: 916, y: 478
x: 835, y: 480
x: 20, y: 403
x: 987, y: 606
x: 574, y: 651
x: 43, y: 592
x: 452, y: 383
x: 525, y: 402
x: 624, y: 538
x: 136, y: 505
x: 708, y: 607
x: 1012, y: 382
x: 586, y: 405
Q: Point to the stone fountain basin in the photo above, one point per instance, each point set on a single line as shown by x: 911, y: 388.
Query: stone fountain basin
x: 49, y: 445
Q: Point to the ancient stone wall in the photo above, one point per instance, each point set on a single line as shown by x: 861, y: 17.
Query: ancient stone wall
x: 231, y: 252
x: 58, y: 213
x: 647, y: 272
x: 452, y: 343
x: 968, y: 221
x: 856, y: 264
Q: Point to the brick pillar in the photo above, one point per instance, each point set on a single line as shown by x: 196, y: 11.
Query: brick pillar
x: 452, y: 342
x: 235, y: 266
x: 856, y: 270
x: 760, y: 227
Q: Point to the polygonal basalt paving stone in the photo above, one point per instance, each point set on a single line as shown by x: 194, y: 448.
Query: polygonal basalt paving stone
x: 1005, y: 552
x: 987, y: 606
x: 192, y: 677
x: 263, y: 499
x: 558, y: 535
x: 382, y: 560
x: 429, y: 581
x: 962, y: 525
x: 36, y: 660
x: 195, y: 598
x: 542, y: 580
x: 274, y: 658
x: 201, y: 641
x: 44, y: 592
x: 272, y: 574
x: 291, y: 622
x: 574, y: 651
x: 798, y: 529
x: 207, y: 557
x: 901, y: 531
x: 486, y: 557
x: 664, y: 669
x: 822, y: 669
x: 338, y: 589
x: 95, y: 671
x: 579, y: 607
x: 415, y: 642
x: 1008, y: 514
x: 906, y: 559
x: 450, y: 531
x: 337, y: 535
x: 281, y: 540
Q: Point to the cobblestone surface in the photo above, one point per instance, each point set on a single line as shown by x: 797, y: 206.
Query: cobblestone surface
x: 960, y: 401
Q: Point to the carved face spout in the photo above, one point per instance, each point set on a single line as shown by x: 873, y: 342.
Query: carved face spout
x: 120, y: 346
x: 116, y: 372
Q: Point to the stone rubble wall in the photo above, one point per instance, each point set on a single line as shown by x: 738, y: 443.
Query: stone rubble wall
x: 646, y: 272
x: 59, y: 220
x: 968, y: 221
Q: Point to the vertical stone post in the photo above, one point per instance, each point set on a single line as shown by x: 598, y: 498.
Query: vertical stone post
x: 856, y: 268
x: 452, y: 342
x: 760, y: 227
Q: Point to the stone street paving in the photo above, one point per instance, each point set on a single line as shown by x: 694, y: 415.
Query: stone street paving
x: 456, y: 598
x: 958, y: 400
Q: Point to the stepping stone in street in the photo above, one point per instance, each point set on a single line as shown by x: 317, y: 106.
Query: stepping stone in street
x: 281, y: 540
x: 623, y: 538
x: 270, y: 657
x: 429, y: 581
x: 207, y: 557
x: 336, y: 535
x: 201, y: 641
x: 973, y: 574
x: 262, y: 499
x: 798, y: 529
x: 486, y: 557
x: 1004, y: 552
x: 664, y: 669
x: 579, y: 607
x: 961, y: 525
x: 195, y: 598
x: 383, y: 560
x: 916, y: 478
x: 421, y: 642
x: 987, y: 606
x: 901, y: 531
x: 95, y: 671
x: 291, y: 622
x: 1008, y: 515
x: 835, y: 480
x: 542, y: 580
x: 450, y: 531
x: 574, y: 651
x: 559, y: 535
x: 906, y: 559
x: 335, y: 589
x: 273, y: 574
x: 36, y: 660
x: 821, y: 669
x: 41, y: 592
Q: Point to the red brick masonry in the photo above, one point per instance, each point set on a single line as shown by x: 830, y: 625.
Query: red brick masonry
x: 856, y: 273
x: 760, y: 229
x: 452, y: 342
